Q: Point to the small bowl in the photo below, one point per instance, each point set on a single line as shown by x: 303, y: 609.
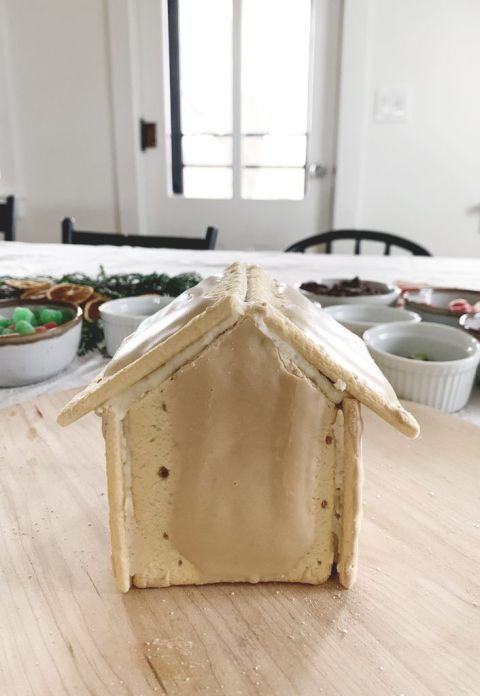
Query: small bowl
x: 360, y: 317
x: 432, y: 303
x: 388, y: 294
x: 471, y: 323
x: 30, y: 358
x: 121, y: 317
x: 445, y: 381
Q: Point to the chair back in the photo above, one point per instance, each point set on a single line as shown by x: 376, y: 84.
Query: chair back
x: 72, y: 236
x: 7, y: 218
x: 358, y: 236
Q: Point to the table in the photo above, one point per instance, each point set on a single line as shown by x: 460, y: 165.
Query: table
x: 409, y: 625
x: 22, y: 259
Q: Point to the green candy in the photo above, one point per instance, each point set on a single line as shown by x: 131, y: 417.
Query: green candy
x: 421, y: 356
x: 4, y: 322
x: 47, y: 315
x: 67, y: 314
x: 22, y: 314
x: 24, y: 327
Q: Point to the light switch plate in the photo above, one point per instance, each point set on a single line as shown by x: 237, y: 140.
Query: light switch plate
x: 392, y: 105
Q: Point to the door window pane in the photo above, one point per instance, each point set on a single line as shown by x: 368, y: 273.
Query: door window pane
x: 280, y: 150
x: 273, y: 184
x: 275, y: 61
x: 207, y: 149
x: 207, y: 182
x: 205, y: 48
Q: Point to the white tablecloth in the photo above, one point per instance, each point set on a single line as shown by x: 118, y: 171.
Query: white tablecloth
x: 20, y: 259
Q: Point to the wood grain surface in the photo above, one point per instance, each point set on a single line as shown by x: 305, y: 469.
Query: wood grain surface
x: 410, y: 626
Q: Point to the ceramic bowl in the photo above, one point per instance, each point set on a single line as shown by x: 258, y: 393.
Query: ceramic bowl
x: 388, y: 294
x: 30, y: 358
x: 432, y: 303
x: 360, y: 317
x: 471, y: 323
x: 445, y: 380
x: 121, y: 317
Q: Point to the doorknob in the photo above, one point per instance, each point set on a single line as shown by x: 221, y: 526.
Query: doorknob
x: 317, y: 171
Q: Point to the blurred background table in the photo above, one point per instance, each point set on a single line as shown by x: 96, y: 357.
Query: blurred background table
x: 22, y: 259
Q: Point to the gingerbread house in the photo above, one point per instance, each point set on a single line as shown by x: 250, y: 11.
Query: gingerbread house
x: 233, y: 437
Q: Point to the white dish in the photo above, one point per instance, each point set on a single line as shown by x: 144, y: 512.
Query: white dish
x: 471, y: 323
x: 31, y: 358
x: 121, y: 317
x: 360, y: 317
x: 445, y: 381
x: 388, y: 296
x: 432, y: 303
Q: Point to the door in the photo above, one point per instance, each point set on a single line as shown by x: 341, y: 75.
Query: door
x: 244, y: 95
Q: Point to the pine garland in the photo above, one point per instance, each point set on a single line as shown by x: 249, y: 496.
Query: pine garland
x: 115, y: 286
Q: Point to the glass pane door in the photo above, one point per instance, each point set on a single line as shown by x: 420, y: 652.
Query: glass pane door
x: 244, y: 94
x: 274, y: 67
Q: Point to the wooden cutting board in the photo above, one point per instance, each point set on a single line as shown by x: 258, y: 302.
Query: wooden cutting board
x: 410, y: 626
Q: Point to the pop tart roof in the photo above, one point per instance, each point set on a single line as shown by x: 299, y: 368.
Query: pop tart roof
x: 281, y: 310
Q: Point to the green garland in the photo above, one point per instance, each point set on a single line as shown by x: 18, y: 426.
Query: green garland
x: 116, y: 286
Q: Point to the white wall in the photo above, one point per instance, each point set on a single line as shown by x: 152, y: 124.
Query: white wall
x: 58, y: 157
x: 419, y: 179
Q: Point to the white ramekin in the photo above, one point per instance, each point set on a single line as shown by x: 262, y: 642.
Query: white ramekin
x: 360, y: 317
x: 121, y: 317
x: 445, y: 381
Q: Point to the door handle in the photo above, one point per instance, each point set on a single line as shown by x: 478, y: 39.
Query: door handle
x: 316, y: 171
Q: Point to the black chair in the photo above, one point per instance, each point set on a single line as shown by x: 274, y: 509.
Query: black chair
x: 359, y: 236
x: 7, y: 218
x: 72, y: 236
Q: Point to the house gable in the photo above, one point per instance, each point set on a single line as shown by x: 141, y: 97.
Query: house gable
x: 273, y: 509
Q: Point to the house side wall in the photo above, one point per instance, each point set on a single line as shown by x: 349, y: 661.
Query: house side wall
x: 352, y: 492
x: 113, y: 434
x: 316, y: 566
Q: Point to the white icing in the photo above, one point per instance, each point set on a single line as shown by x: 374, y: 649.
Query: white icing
x: 341, y: 345
x: 120, y: 403
x: 155, y: 329
x: 323, y: 383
